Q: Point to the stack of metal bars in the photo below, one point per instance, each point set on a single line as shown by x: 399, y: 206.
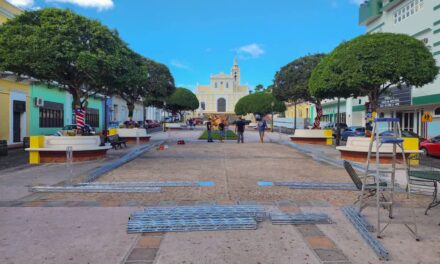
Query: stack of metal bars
x: 319, y: 185
x: 94, y: 189
x: 365, y: 229
x: 299, y: 218
x: 146, y: 184
x: 195, y: 218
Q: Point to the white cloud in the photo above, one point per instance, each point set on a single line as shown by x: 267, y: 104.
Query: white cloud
x: 180, y: 65
x: 22, y: 3
x: 98, y: 4
x: 252, y: 50
x: 357, y: 2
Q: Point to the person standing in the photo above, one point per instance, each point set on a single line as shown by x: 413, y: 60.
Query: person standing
x: 261, y: 128
x: 221, y: 128
x: 190, y: 123
x: 239, y: 129
x: 208, y: 129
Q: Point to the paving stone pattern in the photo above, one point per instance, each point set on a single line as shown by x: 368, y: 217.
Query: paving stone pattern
x: 145, y: 249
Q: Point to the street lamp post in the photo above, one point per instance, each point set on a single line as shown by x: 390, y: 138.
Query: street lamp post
x: 164, y: 107
x: 338, y: 125
x: 272, y: 104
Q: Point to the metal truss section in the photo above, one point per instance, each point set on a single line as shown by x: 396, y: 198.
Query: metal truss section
x: 93, y: 189
x: 148, y: 184
x: 182, y: 225
x: 319, y: 185
x: 362, y: 227
x: 299, y: 218
x: 95, y: 174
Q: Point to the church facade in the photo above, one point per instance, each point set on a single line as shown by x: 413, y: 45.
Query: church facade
x: 221, y: 95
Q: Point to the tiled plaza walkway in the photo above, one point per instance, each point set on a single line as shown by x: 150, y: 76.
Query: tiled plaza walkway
x: 91, y: 228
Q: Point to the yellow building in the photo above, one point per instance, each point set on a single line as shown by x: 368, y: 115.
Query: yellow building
x: 14, y: 95
x: 221, y: 95
x: 8, y: 11
x: 303, y: 110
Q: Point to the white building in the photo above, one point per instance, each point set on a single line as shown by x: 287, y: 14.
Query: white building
x: 119, y: 111
x: 417, y: 18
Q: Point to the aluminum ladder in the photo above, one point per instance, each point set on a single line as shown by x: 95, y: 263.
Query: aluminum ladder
x: 384, y: 193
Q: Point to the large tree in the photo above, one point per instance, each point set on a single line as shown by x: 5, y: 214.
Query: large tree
x: 62, y: 48
x: 181, y: 100
x: 259, y: 103
x: 291, y: 83
x: 370, y: 64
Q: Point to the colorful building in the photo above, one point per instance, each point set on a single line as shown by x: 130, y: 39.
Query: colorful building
x: 51, y: 109
x: 8, y: 11
x: 421, y: 20
x: 14, y: 109
x: 14, y: 94
x: 221, y: 95
x: 304, y: 110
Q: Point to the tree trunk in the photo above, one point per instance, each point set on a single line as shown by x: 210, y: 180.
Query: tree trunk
x: 78, y: 110
x: 130, y: 106
x: 317, y: 123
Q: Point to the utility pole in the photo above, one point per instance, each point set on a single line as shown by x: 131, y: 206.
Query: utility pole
x: 271, y: 127
x: 294, y: 121
x: 338, y: 125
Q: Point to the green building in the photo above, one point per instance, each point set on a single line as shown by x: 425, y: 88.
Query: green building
x: 51, y: 109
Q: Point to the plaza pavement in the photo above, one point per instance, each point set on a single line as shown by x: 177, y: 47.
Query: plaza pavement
x: 91, y: 228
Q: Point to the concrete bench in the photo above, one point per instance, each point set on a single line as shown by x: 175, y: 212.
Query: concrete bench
x: 356, y: 149
x: 52, y: 149
x: 175, y: 126
x: 130, y: 135
x: 312, y: 136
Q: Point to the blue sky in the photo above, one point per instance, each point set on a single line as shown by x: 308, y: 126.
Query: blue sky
x: 197, y: 38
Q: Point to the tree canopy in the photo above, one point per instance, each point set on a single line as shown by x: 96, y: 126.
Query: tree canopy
x: 259, y: 103
x: 60, y: 47
x: 368, y: 65
x: 291, y: 81
x: 181, y: 100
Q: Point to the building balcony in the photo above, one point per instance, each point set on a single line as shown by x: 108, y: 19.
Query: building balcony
x: 369, y: 11
x: 391, y: 4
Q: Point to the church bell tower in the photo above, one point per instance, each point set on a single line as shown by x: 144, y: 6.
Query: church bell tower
x: 235, y: 73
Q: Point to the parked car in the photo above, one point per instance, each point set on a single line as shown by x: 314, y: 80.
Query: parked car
x: 197, y: 121
x: 431, y: 147
x: 355, y: 131
x: 405, y: 133
x: 333, y: 127
x: 152, y: 123
x: 87, y: 130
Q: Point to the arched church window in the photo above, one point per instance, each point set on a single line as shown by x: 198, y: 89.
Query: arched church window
x: 227, y: 85
x: 202, y: 105
x: 221, y: 105
x: 215, y: 84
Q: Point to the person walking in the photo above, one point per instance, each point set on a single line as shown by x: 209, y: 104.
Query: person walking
x: 221, y: 128
x: 239, y: 129
x: 208, y: 129
x: 261, y: 128
x: 191, y: 122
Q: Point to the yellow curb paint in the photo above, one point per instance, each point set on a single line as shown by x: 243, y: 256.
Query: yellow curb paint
x: 112, y: 132
x: 328, y: 133
x: 411, y: 144
x: 35, y: 142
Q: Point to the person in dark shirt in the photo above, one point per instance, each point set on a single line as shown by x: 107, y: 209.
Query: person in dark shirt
x: 239, y: 129
x: 221, y: 128
x: 208, y: 128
